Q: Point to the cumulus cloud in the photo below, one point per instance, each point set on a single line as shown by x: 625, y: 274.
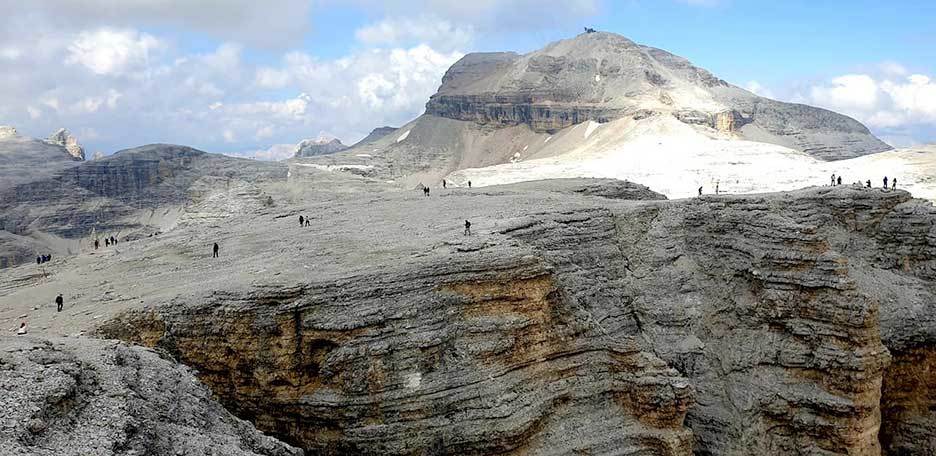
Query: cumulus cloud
x: 112, y: 52
x: 758, y: 89
x: 436, y: 32
x: 891, y: 100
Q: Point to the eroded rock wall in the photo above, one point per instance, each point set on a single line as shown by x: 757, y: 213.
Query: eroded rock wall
x: 722, y: 325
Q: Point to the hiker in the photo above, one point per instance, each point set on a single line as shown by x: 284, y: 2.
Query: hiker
x: 894, y: 184
x: 469, y: 184
x: 700, y: 190
x: 96, y: 244
x: 59, y: 302
x: 301, y: 221
x: 113, y: 240
x: 38, y: 259
x: 467, y: 228
x: 426, y: 190
x: 716, y: 186
x: 308, y: 221
x: 106, y: 242
x: 885, y: 182
x: 22, y: 329
x: 840, y: 180
x: 869, y: 183
x: 444, y: 184
x: 49, y: 257
x: 215, y: 250
x: 833, y: 179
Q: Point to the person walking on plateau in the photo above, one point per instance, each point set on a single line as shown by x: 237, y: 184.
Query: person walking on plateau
x: 301, y: 221
x: 467, y: 228
x: 833, y: 179
x: 839, y: 180
x: 444, y: 184
x: 894, y: 184
x: 97, y: 243
x: 869, y: 183
x: 700, y: 190
x: 215, y: 251
x: 59, y: 302
x: 308, y: 221
x: 469, y: 184
x: 885, y: 182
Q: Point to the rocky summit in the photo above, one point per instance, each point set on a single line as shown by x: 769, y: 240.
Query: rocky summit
x: 312, y: 148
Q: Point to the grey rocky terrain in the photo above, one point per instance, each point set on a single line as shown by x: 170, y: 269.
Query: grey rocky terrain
x: 132, y: 193
x: 64, y: 397
x: 573, y: 319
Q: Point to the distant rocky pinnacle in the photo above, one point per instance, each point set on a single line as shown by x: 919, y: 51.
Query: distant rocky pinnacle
x: 65, y: 139
x: 603, y: 76
x: 321, y: 146
x: 7, y: 131
x: 375, y: 134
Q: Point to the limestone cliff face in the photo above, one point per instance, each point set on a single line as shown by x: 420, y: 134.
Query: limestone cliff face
x: 603, y: 76
x: 730, y: 325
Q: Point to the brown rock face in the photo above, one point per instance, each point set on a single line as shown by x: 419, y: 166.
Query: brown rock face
x: 909, y: 406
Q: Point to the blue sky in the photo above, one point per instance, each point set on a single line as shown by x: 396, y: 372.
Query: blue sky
x: 257, y: 77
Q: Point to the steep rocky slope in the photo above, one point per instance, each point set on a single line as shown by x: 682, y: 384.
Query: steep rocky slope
x: 86, y: 397
x: 567, y: 322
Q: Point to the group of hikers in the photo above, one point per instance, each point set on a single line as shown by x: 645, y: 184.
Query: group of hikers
x: 305, y: 221
x: 108, y: 241
x: 837, y: 180
x: 43, y: 258
x: 425, y: 190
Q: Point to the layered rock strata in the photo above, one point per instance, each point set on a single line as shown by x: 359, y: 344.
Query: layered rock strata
x: 718, y: 325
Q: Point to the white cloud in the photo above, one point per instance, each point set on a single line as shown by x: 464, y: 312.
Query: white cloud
x: 275, y: 152
x: 851, y: 92
x: 111, y: 52
x: 892, y: 100
x: 488, y: 16
x: 436, y: 32
x: 758, y: 89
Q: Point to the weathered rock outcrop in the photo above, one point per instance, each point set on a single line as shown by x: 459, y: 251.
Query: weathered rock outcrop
x: 315, y: 147
x: 86, y: 397
x: 603, y: 76
x: 726, y: 325
x: 375, y: 134
x: 65, y: 139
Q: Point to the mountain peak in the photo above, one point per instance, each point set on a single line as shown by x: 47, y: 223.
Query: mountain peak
x: 65, y: 139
